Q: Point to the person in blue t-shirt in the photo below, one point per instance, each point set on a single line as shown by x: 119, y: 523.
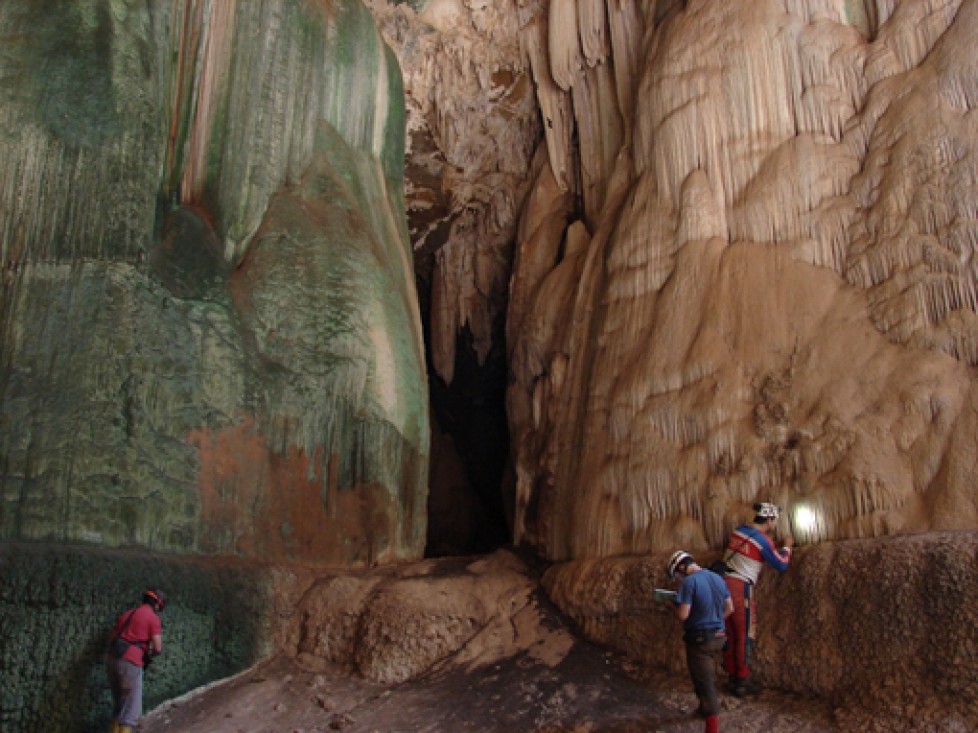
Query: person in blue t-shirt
x: 702, y: 604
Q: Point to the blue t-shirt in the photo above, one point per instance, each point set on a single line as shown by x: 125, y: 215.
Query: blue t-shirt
x: 706, y: 593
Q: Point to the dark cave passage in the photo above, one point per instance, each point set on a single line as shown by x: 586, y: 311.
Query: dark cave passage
x: 468, y: 477
x: 467, y: 510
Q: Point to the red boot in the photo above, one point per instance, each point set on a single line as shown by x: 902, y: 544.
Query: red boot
x: 712, y: 724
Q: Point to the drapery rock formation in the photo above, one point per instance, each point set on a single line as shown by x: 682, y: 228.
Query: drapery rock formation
x: 768, y: 291
x: 210, y: 333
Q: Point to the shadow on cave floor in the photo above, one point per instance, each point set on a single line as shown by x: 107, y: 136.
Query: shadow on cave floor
x: 593, y: 690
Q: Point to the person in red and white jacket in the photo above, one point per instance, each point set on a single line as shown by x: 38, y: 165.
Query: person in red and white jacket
x: 750, y: 548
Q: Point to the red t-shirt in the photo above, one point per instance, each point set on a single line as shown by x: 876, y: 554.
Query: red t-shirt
x: 145, y: 624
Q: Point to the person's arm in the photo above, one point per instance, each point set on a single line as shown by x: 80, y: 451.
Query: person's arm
x: 156, y: 635
x: 777, y: 560
x: 728, y: 607
x: 684, y: 599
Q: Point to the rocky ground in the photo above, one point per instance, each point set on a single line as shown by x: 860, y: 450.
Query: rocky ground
x: 545, y: 679
x: 592, y: 691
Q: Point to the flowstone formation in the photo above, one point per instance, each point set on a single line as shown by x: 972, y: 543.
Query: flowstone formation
x: 210, y: 332
x: 767, y: 290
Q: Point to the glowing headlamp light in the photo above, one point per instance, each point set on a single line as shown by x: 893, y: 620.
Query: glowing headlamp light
x: 807, y: 522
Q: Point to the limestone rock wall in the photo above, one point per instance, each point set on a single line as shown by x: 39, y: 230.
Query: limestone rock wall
x: 446, y: 615
x: 880, y: 629
x: 209, y: 332
x: 766, y: 290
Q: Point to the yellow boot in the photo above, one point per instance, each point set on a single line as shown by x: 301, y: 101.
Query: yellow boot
x: 115, y: 727
x: 125, y: 729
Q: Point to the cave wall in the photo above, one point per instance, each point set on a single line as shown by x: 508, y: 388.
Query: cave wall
x: 58, y: 605
x: 210, y: 331
x: 767, y: 290
x: 879, y: 629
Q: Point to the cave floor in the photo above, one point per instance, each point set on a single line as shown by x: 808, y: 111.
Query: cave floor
x: 592, y: 690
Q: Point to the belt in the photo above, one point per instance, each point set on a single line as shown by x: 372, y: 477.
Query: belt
x: 701, y: 636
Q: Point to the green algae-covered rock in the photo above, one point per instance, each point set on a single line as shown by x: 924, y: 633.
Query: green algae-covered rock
x: 209, y: 339
x: 57, y: 608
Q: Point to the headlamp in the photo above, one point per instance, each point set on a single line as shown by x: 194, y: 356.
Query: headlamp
x: 807, y: 522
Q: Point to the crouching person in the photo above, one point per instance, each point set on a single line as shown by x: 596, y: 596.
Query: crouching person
x: 702, y: 604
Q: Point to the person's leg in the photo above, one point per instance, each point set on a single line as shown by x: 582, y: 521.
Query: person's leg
x: 116, y: 687
x: 132, y: 695
x: 701, y: 660
x: 750, y: 625
x: 735, y: 654
x: 743, y: 685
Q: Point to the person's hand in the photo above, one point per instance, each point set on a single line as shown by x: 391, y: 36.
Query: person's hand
x: 788, y: 541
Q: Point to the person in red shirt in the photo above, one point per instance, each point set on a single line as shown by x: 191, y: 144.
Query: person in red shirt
x: 136, y: 638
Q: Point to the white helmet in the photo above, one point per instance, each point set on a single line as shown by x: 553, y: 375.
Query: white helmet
x: 680, y: 557
x: 766, y: 510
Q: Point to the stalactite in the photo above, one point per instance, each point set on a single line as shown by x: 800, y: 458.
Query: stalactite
x: 627, y: 29
x: 592, y: 22
x: 599, y: 134
x: 555, y: 106
x: 564, y: 43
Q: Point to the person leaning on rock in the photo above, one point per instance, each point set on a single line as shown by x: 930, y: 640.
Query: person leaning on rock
x: 749, y: 548
x: 136, y: 639
x: 702, y: 604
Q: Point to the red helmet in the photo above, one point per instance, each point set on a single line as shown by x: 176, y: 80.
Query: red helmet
x: 155, y: 595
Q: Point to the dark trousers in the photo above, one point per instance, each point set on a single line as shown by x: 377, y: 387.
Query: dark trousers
x: 701, y: 658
